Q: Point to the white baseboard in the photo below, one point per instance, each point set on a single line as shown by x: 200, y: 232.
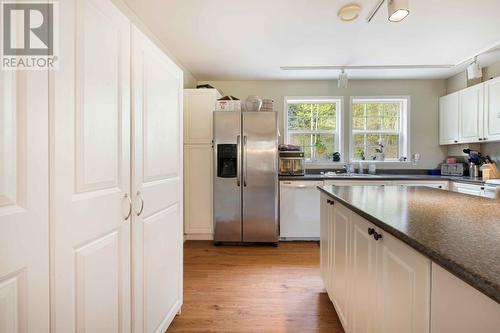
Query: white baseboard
x: 198, y: 237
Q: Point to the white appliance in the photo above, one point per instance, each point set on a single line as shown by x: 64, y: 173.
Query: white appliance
x: 299, y: 210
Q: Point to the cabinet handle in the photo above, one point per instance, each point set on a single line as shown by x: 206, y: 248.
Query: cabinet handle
x: 126, y: 196
x: 456, y: 141
x: 377, y: 236
x: 139, y: 195
x: 480, y: 139
x: 331, y: 202
x: 371, y: 231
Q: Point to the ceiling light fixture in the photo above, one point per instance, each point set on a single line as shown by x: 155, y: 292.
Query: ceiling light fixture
x: 474, y: 70
x: 349, y: 12
x: 397, y: 10
x: 342, y: 80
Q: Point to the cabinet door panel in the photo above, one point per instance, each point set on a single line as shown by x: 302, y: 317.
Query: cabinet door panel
x: 198, y: 189
x: 403, y: 288
x: 157, y: 183
x: 340, y: 260
x: 362, y: 281
x: 449, y: 119
x: 91, y: 164
x: 471, y: 114
x: 24, y: 202
x: 492, y: 110
x: 199, y: 105
x: 324, y: 251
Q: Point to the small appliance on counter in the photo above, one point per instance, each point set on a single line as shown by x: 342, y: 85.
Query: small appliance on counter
x: 453, y: 169
x: 292, y: 163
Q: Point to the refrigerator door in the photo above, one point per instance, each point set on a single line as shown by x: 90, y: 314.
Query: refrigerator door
x: 227, y: 176
x: 260, y: 177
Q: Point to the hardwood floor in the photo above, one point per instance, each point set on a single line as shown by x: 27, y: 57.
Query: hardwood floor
x: 254, y: 289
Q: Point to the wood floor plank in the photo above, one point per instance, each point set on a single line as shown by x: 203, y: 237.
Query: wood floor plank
x: 254, y: 289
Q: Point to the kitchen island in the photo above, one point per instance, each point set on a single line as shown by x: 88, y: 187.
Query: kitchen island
x: 384, y: 247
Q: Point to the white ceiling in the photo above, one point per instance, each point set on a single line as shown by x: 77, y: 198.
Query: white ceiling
x: 251, y: 39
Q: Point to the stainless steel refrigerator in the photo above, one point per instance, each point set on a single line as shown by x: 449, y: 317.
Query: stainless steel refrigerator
x: 245, y: 177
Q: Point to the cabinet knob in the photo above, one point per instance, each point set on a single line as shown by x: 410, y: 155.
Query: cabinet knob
x: 456, y: 141
x: 371, y: 231
x: 377, y: 236
x: 485, y: 139
x: 480, y: 139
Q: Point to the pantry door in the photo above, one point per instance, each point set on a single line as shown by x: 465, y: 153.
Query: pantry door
x: 24, y: 202
x: 157, y: 186
x: 90, y: 170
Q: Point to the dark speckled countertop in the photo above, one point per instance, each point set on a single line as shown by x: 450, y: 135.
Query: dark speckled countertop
x: 457, y: 231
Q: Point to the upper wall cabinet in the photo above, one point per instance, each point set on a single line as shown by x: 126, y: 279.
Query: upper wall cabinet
x: 492, y: 110
x: 198, y: 107
x: 471, y: 115
x: 449, y: 119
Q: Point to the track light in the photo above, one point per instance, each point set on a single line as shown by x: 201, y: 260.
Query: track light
x: 398, y: 10
x: 474, y: 71
x: 342, y: 81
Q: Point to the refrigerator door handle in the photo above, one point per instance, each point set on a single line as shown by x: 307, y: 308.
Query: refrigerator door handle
x: 245, y: 161
x: 238, y: 154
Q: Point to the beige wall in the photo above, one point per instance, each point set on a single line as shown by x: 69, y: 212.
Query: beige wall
x: 424, y: 105
x: 459, y: 82
x: 189, y: 79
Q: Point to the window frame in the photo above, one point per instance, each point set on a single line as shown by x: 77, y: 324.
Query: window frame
x: 338, y: 133
x: 404, y: 125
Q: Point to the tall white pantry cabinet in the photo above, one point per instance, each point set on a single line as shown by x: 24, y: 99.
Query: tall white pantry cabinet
x: 199, y: 105
x: 91, y: 163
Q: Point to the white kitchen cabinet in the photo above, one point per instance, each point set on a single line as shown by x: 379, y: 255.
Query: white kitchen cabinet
x: 91, y: 170
x: 198, y: 191
x: 157, y: 186
x: 116, y: 176
x: 362, y: 291
x: 340, y: 232
x: 471, y: 114
x: 443, y: 185
x: 472, y: 189
x: 324, y: 239
x: 24, y: 202
x: 403, y: 284
x: 459, y: 308
x: 199, y: 105
x: 347, y: 182
x: 377, y: 285
x: 492, y: 110
x: 449, y: 119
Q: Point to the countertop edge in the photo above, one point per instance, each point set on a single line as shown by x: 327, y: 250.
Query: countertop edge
x: 471, y: 278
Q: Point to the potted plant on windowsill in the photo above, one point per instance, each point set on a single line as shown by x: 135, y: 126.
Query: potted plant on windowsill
x: 379, y: 152
x: 320, y: 147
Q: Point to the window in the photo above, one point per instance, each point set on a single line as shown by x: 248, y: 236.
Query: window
x: 377, y: 121
x: 314, y: 124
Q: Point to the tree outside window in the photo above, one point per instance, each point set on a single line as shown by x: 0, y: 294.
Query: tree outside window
x: 314, y: 125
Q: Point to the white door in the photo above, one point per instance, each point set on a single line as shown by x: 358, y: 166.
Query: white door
x: 90, y: 144
x: 198, y: 190
x: 492, y: 110
x: 340, y: 261
x: 403, y: 288
x: 362, y: 281
x: 449, y: 119
x: 24, y: 202
x: 157, y: 186
x: 471, y: 114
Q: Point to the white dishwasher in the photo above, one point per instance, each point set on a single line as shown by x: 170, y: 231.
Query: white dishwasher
x: 299, y: 210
